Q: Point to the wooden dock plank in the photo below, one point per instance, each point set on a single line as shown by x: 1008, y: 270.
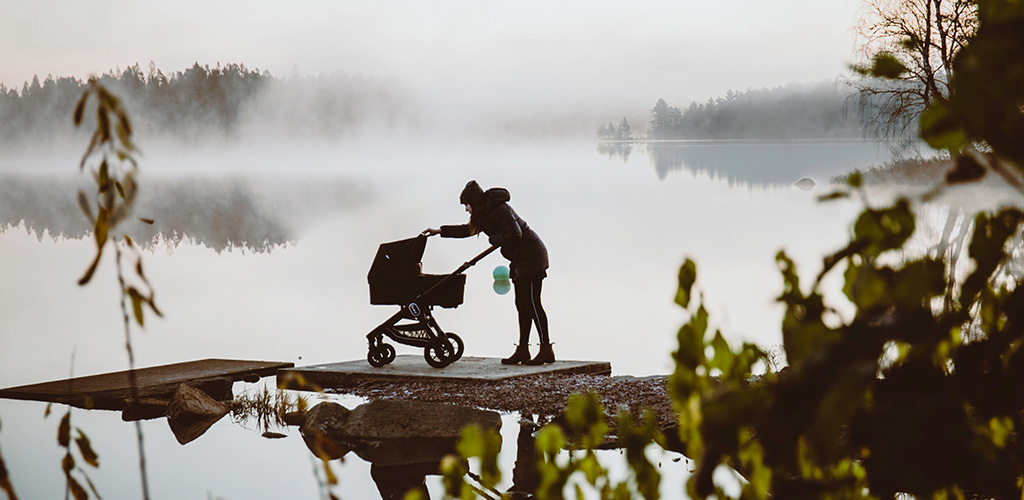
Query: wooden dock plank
x: 109, y: 390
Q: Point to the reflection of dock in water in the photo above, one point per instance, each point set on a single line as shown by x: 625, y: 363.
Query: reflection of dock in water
x: 111, y: 391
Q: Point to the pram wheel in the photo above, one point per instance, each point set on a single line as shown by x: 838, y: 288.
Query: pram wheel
x: 457, y: 344
x: 439, y: 353
x: 442, y: 352
x: 380, y: 355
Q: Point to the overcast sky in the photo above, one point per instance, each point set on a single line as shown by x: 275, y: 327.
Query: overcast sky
x: 629, y: 50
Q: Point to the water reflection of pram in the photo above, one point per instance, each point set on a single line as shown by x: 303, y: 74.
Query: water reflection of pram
x: 396, y: 279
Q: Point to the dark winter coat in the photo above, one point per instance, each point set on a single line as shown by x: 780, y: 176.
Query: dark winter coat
x: 519, y: 244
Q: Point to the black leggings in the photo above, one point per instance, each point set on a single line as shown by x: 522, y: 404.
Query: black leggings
x: 530, y: 309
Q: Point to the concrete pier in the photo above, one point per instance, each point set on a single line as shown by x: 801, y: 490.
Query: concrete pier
x: 410, y: 367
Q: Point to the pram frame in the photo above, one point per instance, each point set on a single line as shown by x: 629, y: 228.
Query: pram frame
x: 440, y: 348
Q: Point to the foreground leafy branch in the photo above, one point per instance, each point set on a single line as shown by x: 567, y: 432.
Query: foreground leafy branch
x: 5, y: 481
x: 917, y: 393
x: 111, y: 154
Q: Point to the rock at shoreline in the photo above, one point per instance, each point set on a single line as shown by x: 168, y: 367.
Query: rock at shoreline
x: 322, y: 430
x: 391, y: 432
x: 805, y: 184
x: 192, y: 412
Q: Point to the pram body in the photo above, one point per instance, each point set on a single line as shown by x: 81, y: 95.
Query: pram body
x: 395, y: 278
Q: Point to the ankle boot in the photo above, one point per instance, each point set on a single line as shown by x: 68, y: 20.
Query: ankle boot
x: 521, y: 355
x: 545, y: 355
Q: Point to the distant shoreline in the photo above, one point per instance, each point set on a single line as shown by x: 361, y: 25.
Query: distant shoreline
x: 740, y: 141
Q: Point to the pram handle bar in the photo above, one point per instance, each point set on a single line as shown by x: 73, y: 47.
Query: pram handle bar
x: 472, y: 262
x: 476, y: 259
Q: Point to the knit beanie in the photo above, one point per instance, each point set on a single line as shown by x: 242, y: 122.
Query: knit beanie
x: 471, y: 194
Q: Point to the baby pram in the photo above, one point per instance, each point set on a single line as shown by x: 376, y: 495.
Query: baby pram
x: 396, y: 279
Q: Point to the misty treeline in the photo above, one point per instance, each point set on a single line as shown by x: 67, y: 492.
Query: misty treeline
x: 209, y: 103
x: 788, y: 112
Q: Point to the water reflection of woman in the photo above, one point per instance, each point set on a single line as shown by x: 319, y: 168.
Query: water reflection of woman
x: 490, y: 213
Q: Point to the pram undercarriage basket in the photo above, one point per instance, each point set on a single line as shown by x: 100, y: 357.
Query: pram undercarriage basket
x: 395, y: 279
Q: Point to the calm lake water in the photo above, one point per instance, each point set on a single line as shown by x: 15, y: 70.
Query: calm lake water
x: 263, y: 253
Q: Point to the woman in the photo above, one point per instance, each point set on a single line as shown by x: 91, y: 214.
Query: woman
x: 490, y: 213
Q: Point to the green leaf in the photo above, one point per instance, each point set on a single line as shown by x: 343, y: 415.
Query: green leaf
x: 104, y: 177
x: 80, y: 108
x: 103, y: 124
x: 102, y: 227
x: 550, y: 440
x: 414, y: 494
x: 885, y: 65
x: 88, y: 454
x: 790, y: 280
x: 886, y: 229
x: 585, y: 415
x: 911, y: 43
x: 137, y: 300
x: 941, y: 129
x: 835, y: 195
x: 83, y: 204
x: 68, y: 463
x: 987, y: 249
x: 331, y: 478
x: 690, y: 354
x: 803, y: 332
x: 124, y: 131
x: 723, y: 358
x: 855, y: 180
x: 471, y: 444
x: 88, y: 151
x: 865, y: 286
x: 687, y: 277
x: 919, y: 281
x: 966, y: 169
x: 92, y: 268
x: 77, y: 490
x: 5, y: 481
x: 591, y: 468
x: 64, y: 430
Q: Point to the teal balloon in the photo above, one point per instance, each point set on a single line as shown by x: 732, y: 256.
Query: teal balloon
x: 500, y: 273
x: 501, y: 287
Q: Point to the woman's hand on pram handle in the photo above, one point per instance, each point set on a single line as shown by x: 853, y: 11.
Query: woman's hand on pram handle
x: 430, y: 232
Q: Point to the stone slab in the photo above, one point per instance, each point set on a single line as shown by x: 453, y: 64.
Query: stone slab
x: 109, y: 390
x: 412, y: 367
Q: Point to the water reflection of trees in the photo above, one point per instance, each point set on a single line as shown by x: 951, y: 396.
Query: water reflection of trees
x: 615, y: 150
x: 219, y: 213
x: 944, y: 229
x: 752, y: 163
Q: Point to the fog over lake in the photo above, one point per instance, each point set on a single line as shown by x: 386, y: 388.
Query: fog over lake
x: 281, y: 143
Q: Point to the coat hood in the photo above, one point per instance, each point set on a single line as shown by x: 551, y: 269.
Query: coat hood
x: 498, y: 194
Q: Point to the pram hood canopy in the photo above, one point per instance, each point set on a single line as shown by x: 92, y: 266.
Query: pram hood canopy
x: 395, y: 277
x: 397, y: 260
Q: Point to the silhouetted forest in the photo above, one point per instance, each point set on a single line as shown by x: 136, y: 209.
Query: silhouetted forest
x: 204, y: 103
x: 781, y: 113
